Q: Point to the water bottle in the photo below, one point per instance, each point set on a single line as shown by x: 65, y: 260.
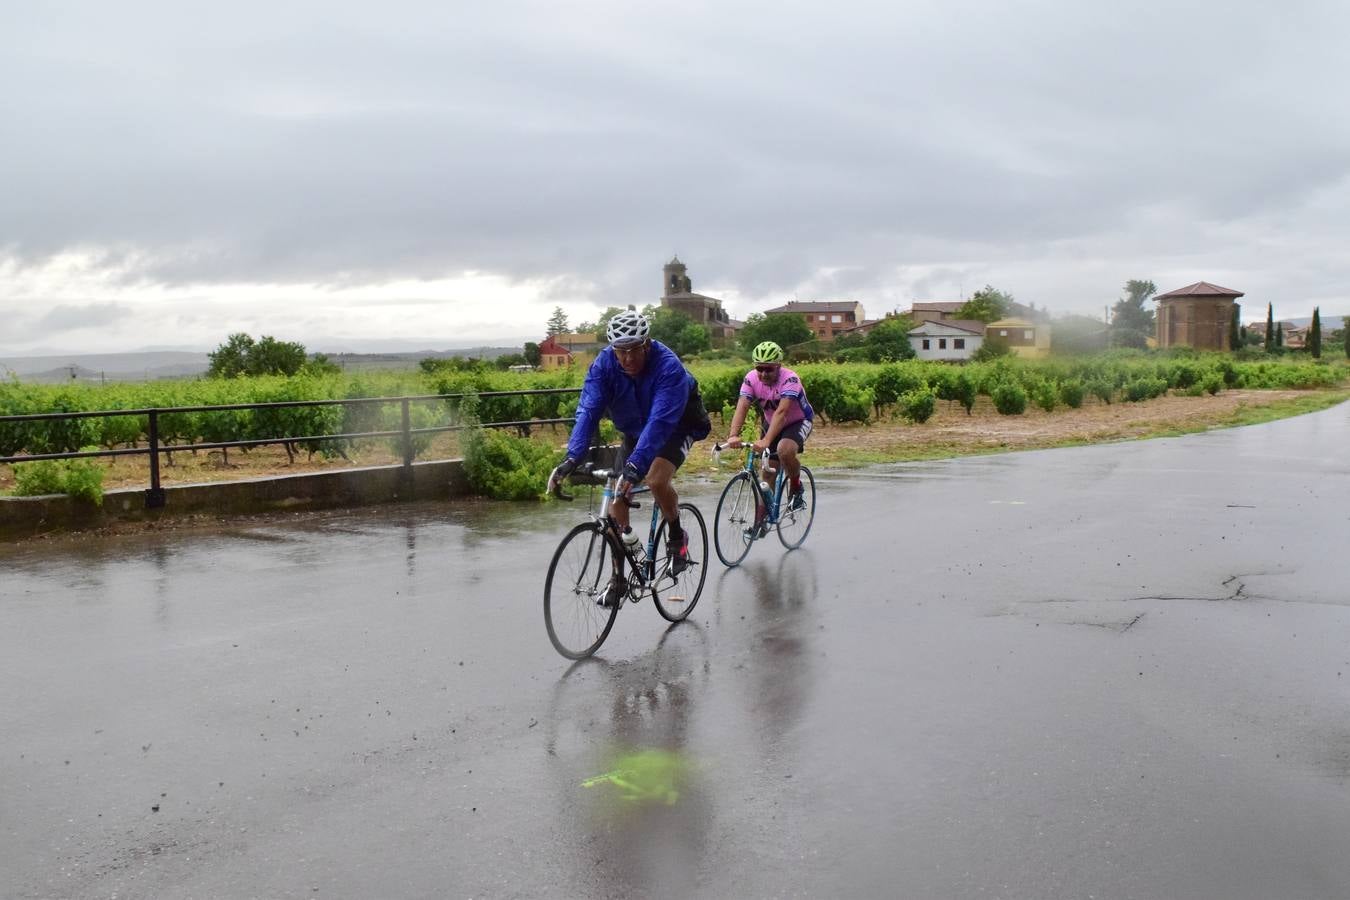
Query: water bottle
x: 631, y: 541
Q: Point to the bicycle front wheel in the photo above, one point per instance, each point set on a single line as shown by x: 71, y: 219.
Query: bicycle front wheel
x: 794, y: 524
x: 734, y: 522
x: 675, y: 595
x: 584, y: 566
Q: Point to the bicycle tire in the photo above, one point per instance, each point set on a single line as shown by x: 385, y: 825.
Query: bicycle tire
x: 794, y: 526
x: 583, y: 567
x: 734, y: 518
x: 676, y: 596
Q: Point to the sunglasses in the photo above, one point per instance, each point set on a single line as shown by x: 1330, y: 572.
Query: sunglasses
x: 766, y: 370
x: 630, y: 351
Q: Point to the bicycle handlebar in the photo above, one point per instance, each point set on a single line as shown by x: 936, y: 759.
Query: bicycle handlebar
x: 587, y: 469
x: 750, y: 452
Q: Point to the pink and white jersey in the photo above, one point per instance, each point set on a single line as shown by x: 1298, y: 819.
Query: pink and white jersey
x: 788, y: 388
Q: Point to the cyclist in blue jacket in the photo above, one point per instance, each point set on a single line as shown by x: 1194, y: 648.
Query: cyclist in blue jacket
x: 654, y: 402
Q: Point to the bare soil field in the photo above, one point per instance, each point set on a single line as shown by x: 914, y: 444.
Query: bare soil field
x: 950, y: 432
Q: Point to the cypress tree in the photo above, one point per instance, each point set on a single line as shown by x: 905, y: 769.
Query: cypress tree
x: 1279, y: 335
x: 1345, y: 331
x: 1270, y: 326
x: 1315, y: 334
x: 1235, y: 328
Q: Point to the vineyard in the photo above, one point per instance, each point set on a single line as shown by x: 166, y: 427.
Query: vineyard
x: 840, y: 393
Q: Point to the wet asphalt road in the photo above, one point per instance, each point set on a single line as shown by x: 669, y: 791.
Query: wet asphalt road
x: 1108, y: 672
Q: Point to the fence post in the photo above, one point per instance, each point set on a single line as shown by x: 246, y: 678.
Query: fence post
x: 407, y: 440
x: 154, y: 498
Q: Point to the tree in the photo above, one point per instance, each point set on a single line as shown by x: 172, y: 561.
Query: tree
x: 531, y: 353
x: 1345, y: 334
x: 241, y: 355
x: 1279, y: 335
x: 273, y: 357
x: 1315, y: 334
x: 678, y: 332
x: 988, y: 304
x: 1270, y: 327
x: 784, y: 329
x: 557, y: 323
x: 888, y: 341
x: 230, y: 359
x: 1131, y: 322
x: 1235, y: 328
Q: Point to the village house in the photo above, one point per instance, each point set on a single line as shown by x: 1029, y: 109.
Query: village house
x: 1023, y: 336
x: 1295, y: 336
x: 826, y: 318
x: 952, y: 340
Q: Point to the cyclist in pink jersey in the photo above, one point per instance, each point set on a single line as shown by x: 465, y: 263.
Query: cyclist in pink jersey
x: 785, y: 415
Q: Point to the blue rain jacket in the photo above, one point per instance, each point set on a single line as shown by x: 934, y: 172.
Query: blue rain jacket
x: 648, y: 405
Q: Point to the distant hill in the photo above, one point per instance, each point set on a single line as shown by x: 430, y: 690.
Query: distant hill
x: 96, y: 367
x: 356, y: 362
x: 155, y: 365
x: 1329, y: 323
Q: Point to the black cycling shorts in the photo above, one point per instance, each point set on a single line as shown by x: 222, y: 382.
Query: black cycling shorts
x: 798, y: 431
x: 694, y: 425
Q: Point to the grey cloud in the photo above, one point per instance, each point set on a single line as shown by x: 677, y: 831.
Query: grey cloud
x: 71, y: 317
x: 351, y: 147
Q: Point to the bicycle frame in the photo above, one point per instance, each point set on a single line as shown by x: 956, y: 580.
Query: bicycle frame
x: 646, y: 568
x: 770, y: 498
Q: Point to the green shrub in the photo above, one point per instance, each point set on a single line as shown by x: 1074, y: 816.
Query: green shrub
x: 37, y: 478
x: 1213, y: 383
x: 80, y: 478
x: 1145, y: 389
x: 505, y: 467
x: 1071, y: 393
x: 894, y: 381
x: 1046, y: 395
x: 918, y: 405
x: 964, y: 391
x: 84, y: 480
x: 1010, y: 398
x: 1102, y: 389
x: 854, y: 405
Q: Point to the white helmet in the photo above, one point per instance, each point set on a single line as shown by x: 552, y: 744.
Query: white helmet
x: 627, y: 328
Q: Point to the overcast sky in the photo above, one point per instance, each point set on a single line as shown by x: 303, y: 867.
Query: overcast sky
x: 444, y: 174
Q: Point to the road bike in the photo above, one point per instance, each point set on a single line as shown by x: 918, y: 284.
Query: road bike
x: 593, y: 571
x: 749, y: 507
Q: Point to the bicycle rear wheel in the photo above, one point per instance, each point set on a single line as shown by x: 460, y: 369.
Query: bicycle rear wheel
x: 675, y: 596
x: 583, y: 568
x: 734, y: 520
x: 793, y: 525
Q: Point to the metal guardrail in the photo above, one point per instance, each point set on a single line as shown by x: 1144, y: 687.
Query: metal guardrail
x: 155, y: 495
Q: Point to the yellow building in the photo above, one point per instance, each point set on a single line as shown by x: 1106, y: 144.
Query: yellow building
x: 1023, y: 336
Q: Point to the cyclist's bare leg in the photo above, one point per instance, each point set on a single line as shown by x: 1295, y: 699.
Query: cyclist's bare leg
x: 619, y: 510
x: 659, y: 477
x: 787, y: 455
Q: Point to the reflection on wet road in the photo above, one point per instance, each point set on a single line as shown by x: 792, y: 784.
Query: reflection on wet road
x: 1110, y: 671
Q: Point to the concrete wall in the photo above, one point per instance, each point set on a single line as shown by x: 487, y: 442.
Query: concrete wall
x: 27, y: 516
